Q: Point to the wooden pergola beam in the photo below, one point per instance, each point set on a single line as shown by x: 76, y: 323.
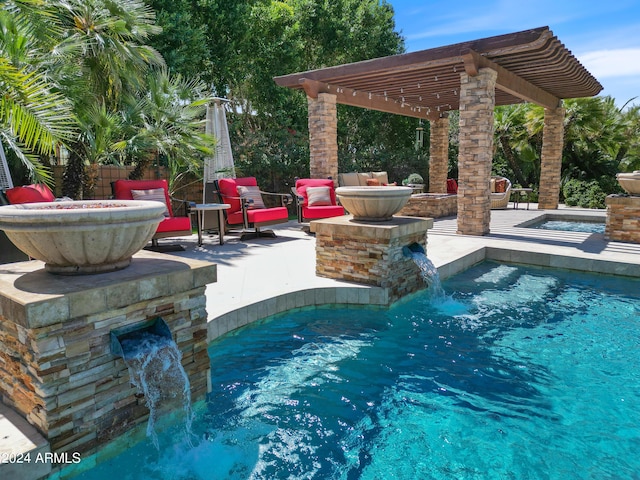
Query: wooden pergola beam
x: 509, y: 82
x: 371, y: 101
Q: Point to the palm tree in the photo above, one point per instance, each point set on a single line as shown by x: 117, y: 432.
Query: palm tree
x: 509, y: 133
x: 34, y: 116
x: 166, y: 122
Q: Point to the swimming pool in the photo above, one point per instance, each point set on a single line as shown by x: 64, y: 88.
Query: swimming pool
x: 521, y: 373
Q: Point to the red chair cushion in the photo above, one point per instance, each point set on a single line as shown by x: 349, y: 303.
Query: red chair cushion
x: 174, y: 224
x: 122, y: 189
x: 452, y: 186
x: 303, y: 183
x: 323, y: 211
x: 267, y: 214
x: 229, y: 192
x: 30, y: 194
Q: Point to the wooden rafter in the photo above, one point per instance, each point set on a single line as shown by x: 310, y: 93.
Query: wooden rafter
x: 532, y: 66
x: 509, y: 82
x: 370, y: 101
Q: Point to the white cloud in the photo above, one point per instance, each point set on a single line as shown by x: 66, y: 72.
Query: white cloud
x: 612, y: 63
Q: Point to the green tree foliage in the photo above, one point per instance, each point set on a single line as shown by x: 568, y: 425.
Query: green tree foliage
x: 600, y: 140
x: 251, y: 41
x: 82, y: 73
x: 34, y: 115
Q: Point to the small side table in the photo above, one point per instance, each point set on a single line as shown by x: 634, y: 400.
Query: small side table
x: 518, y: 194
x: 203, y: 207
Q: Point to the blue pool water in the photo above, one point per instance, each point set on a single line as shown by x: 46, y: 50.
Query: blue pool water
x: 518, y: 373
x: 571, y: 226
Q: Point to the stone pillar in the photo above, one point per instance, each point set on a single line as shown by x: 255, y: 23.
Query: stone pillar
x: 323, y: 136
x: 623, y: 218
x: 551, y: 162
x: 371, y: 253
x: 438, y: 155
x: 57, y: 368
x: 477, y: 101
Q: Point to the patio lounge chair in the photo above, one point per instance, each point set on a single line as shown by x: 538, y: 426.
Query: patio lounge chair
x: 315, y: 199
x: 157, y: 190
x: 500, y: 192
x: 248, y: 209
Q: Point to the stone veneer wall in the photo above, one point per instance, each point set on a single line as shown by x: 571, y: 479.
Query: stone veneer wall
x: 323, y: 136
x: 623, y: 218
x: 56, y: 365
x: 430, y: 205
x: 477, y: 101
x: 370, y: 253
x: 551, y: 161
x: 438, y: 155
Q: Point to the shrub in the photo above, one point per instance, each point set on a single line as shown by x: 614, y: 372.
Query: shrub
x: 585, y: 194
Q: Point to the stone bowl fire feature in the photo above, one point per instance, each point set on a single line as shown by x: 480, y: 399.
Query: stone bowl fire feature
x: 82, y: 237
x: 373, y: 204
x: 630, y: 182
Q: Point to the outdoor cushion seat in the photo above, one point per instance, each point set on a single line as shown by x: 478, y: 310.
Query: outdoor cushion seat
x: 500, y: 192
x: 452, y: 186
x: 30, y: 194
x: 247, y: 209
x: 169, y: 227
x: 327, y: 205
x: 363, y: 179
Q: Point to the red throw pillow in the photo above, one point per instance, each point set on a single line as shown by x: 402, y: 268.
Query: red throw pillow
x: 30, y: 194
x: 501, y: 186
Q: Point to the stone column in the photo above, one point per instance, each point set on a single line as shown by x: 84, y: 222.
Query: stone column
x: 551, y: 162
x: 438, y: 155
x: 477, y: 101
x: 323, y: 136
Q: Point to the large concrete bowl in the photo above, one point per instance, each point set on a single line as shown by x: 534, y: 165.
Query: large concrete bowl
x: 82, y: 237
x: 373, y: 204
x: 630, y: 182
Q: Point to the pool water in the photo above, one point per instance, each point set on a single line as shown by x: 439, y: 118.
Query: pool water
x: 518, y: 373
x: 571, y: 226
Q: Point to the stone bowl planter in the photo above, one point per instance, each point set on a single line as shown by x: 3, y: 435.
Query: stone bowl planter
x: 630, y: 182
x: 82, y: 237
x: 373, y: 204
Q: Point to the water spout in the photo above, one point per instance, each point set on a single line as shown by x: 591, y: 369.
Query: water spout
x: 409, y: 250
x: 155, y: 367
x: 428, y: 271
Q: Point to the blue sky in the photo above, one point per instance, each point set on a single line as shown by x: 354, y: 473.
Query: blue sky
x: 603, y: 35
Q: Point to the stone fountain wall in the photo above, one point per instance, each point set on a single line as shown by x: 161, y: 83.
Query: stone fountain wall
x: 56, y: 365
x: 371, y: 253
x: 430, y: 205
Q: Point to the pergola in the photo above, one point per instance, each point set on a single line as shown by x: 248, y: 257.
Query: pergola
x: 472, y: 77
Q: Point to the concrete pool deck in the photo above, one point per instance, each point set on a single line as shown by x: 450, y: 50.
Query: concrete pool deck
x: 262, y: 277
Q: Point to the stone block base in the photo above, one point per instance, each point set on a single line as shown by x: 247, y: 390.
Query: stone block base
x: 371, y: 253
x: 623, y: 218
x: 432, y: 205
x: 56, y: 365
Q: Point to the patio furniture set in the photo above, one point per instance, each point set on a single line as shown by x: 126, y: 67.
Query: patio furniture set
x: 239, y: 204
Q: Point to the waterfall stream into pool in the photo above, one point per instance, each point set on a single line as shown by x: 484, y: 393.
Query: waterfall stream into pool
x: 155, y: 367
x: 428, y: 270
